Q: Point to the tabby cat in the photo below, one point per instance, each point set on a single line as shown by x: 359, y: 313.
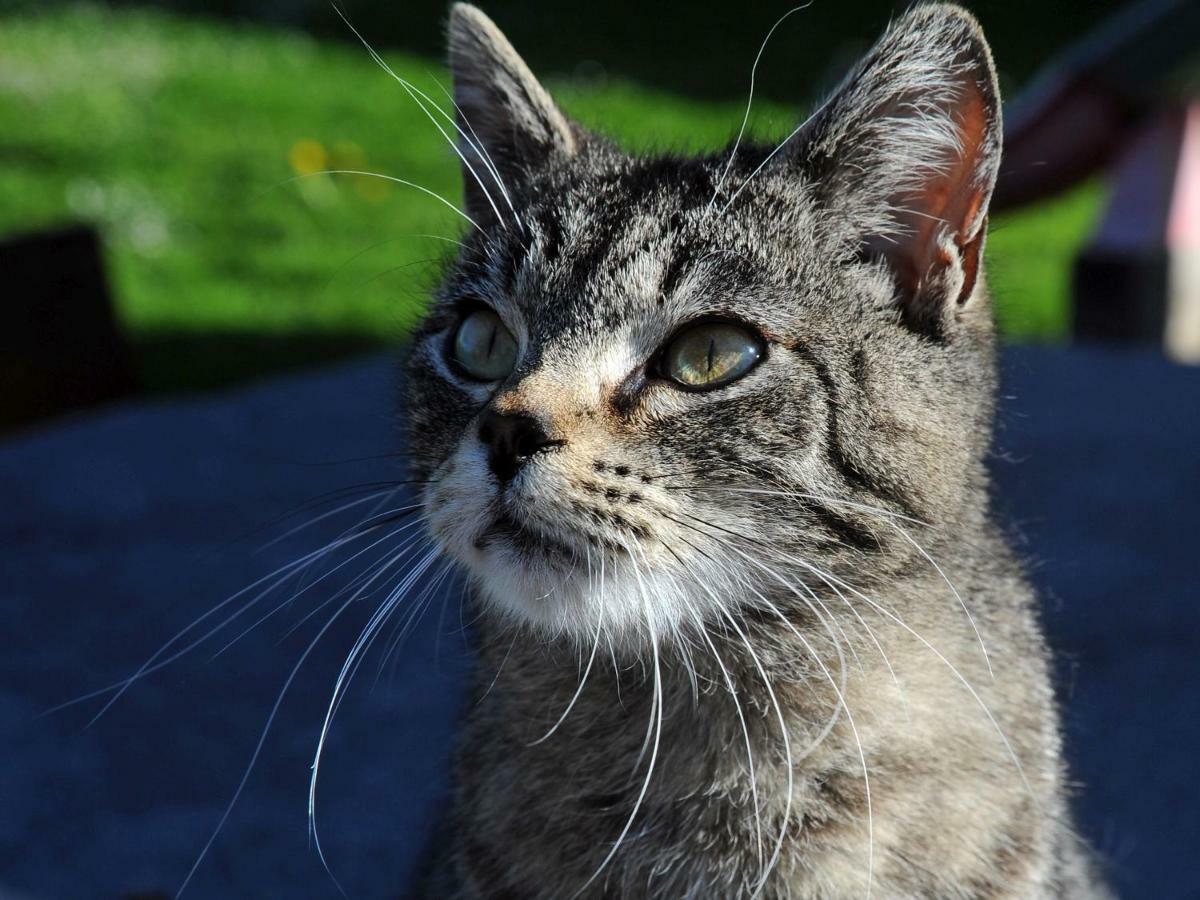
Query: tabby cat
x: 707, y: 436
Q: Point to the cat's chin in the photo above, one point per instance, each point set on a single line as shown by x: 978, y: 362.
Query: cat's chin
x: 541, y: 582
x: 545, y: 575
x: 532, y: 546
x: 535, y: 578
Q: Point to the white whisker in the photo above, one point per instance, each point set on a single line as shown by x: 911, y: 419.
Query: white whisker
x: 369, y: 633
x: 785, y: 736
x: 155, y: 662
x: 416, y: 94
x: 261, y: 740
x: 655, y: 723
x: 480, y: 147
x: 591, y: 659
x: 392, y: 178
x: 840, y: 693
x: 733, y: 694
x: 749, y: 101
x: 958, y: 675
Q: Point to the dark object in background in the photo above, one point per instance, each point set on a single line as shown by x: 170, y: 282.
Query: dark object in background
x: 1139, y: 277
x: 1088, y: 102
x: 60, y: 344
x: 1121, y: 283
x: 1124, y: 100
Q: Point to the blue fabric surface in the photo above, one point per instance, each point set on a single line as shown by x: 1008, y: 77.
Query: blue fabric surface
x: 1098, y: 470
x: 119, y: 528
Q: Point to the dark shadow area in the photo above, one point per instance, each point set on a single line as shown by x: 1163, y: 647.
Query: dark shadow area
x: 703, y: 48
x: 202, y: 360
x: 61, y: 346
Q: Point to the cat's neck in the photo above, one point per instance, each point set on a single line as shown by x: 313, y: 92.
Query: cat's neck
x: 799, y: 657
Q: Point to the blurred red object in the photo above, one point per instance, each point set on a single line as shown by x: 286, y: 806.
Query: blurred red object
x: 1120, y: 102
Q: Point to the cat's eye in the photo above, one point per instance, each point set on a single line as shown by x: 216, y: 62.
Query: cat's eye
x: 710, y: 355
x: 483, y: 347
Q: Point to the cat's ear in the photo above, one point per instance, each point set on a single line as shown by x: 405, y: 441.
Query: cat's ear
x: 908, y: 148
x: 509, y: 125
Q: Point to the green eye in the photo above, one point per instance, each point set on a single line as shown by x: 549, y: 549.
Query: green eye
x: 484, y: 347
x: 711, y: 355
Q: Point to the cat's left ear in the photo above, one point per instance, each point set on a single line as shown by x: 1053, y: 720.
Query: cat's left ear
x: 908, y: 149
x: 509, y: 124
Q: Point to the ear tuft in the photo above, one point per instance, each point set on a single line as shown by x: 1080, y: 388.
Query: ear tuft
x: 510, y: 123
x: 908, y: 148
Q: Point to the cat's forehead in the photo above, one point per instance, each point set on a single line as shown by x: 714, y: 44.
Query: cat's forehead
x: 640, y: 242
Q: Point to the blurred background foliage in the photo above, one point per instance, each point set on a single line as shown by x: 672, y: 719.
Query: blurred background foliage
x: 196, y: 143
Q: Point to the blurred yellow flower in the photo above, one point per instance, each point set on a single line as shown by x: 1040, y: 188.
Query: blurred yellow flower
x: 307, y: 157
x: 347, y: 155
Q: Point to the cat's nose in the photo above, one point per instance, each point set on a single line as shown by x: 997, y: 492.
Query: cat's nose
x: 512, y: 439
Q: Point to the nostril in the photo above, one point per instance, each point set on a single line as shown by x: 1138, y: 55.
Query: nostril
x: 511, y: 439
x: 530, y: 439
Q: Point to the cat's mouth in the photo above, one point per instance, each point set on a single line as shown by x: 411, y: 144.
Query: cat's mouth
x: 527, y: 539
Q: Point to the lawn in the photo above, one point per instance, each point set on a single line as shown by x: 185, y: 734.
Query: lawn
x: 186, y: 142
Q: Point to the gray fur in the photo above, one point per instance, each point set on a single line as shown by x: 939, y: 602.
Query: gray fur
x: 746, y: 576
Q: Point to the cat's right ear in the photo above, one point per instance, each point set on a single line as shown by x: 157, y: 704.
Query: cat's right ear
x: 508, y: 124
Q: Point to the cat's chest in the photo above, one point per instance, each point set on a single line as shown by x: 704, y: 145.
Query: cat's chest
x: 626, y: 781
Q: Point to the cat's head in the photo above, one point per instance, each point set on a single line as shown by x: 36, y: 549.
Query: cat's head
x: 650, y: 387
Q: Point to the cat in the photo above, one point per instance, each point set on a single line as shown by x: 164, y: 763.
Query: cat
x: 708, y: 436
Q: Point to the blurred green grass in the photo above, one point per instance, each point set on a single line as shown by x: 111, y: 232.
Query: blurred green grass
x: 183, y: 139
